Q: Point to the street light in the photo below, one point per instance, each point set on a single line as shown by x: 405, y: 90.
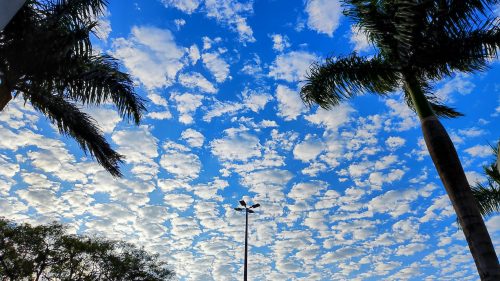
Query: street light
x: 247, y: 210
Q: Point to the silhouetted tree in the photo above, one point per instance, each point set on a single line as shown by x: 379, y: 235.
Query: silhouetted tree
x: 418, y: 42
x: 47, y: 252
x: 488, y: 196
x: 46, y: 58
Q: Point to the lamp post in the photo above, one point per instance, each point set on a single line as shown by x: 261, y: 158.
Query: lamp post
x: 247, y: 210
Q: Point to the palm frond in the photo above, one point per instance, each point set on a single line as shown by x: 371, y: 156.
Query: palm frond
x: 455, y: 17
x: 342, y: 78
x: 75, y: 10
x: 376, y: 19
x: 437, y: 106
x: 76, y: 124
x: 488, y: 198
x: 97, y: 79
x: 465, y: 52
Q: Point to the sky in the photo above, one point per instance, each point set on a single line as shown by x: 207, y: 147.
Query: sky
x: 346, y: 194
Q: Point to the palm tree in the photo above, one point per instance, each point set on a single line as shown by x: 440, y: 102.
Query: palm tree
x: 46, y: 57
x: 418, y: 42
x: 488, y: 196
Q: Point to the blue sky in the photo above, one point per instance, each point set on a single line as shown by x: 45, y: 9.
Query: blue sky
x: 346, y: 194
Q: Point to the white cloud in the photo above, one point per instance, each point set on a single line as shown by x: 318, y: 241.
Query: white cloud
x: 305, y: 191
x: 255, y: 101
x: 151, y: 55
x: 395, y: 142
x: 177, y: 160
x: 291, y: 66
x: 280, y: 42
x: 129, y: 140
x: 194, y: 54
x: 394, y: 202
x: 460, y: 84
x: 331, y: 119
x: 195, y: 80
x: 186, y: 105
x: 179, y: 23
x: 106, y: 118
x: 410, y: 249
x: 221, y: 108
x: 308, y: 149
x: 160, y: 115
x: 103, y: 28
x: 480, y: 151
x: 187, y: 6
x: 403, y: 117
x: 290, y: 106
x: 234, y: 14
x: 217, y: 66
x: 239, y: 146
x: 359, y: 39
x: 323, y: 15
x: 193, y: 138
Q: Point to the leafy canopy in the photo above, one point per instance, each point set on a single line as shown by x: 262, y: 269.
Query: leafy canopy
x: 47, y: 252
x: 46, y: 57
x: 418, y: 40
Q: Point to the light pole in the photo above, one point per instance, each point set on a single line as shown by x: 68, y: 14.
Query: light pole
x: 247, y: 210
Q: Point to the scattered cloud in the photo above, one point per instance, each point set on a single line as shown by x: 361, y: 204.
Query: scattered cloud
x: 323, y: 15
x: 151, y: 55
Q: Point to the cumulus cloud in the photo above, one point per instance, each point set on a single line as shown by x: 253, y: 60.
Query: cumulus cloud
x: 236, y: 146
x: 177, y: 160
x: 280, y: 42
x: 186, y: 105
x: 308, y: 149
x: 187, y: 6
x: 323, y: 15
x: 217, y: 66
x: 359, y: 39
x: 395, y: 142
x: 195, y: 80
x: 331, y: 119
x: 129, y: 141
x: 193, y: 137
x: 480, y: 151
x: 230, y: 13
x: 290, y: 105
x: 151, y: 55
x: 106, y: 118
x: 291, y: 66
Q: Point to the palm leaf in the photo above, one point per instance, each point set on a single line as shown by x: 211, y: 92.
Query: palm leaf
x: 465, y: 52
x: 376, y: 19
x: 95, y: 80
x: 330, y: 83
x: 76, y: 124
x: 455, y: 17
x: 488, y: 198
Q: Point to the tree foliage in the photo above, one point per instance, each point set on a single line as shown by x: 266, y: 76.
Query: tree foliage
x: 425, y: 40
x: 488, y: 195
x: 47, y: 252
x: 46, y: 57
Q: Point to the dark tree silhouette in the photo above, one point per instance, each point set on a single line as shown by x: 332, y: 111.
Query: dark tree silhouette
x: 418, y: 42
x: 46, y: 58
x: 46, y: 252
x: 488, y: 196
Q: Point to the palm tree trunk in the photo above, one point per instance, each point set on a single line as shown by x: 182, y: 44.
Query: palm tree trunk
x: 5, y: 95
x: 452, y: 175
